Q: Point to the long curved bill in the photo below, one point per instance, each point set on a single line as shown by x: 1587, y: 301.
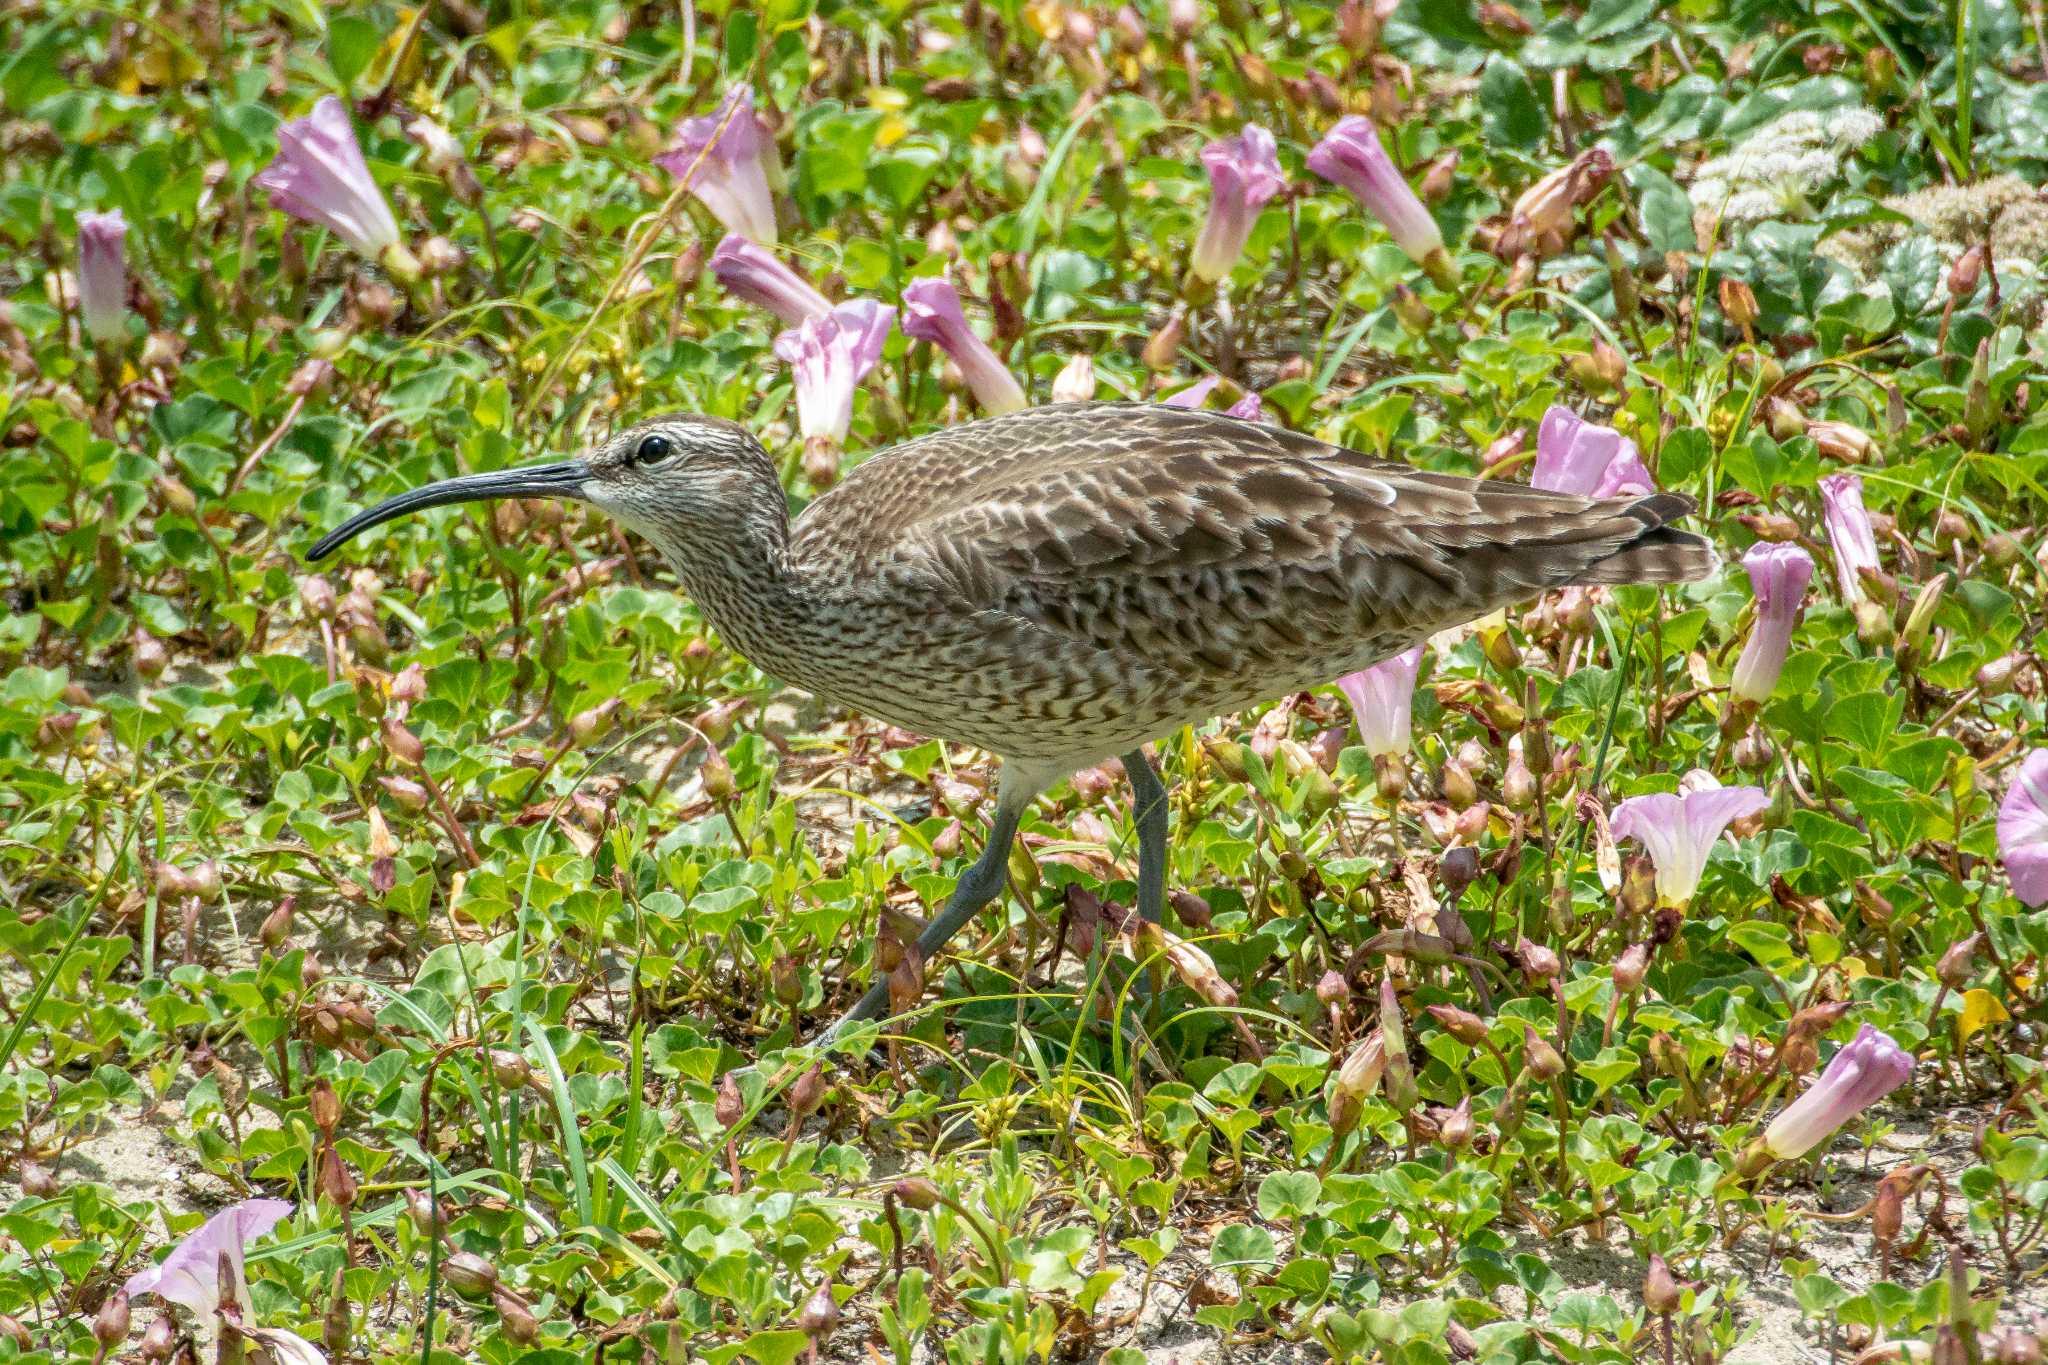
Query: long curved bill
x: 562, y: 479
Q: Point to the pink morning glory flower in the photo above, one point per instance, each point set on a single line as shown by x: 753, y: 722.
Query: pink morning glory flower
x: 1251, y: 408
x: 102, y: 275
x: 1574, y: 455
x: 1194, y: 395
x: 2023, y: 829
x: 1870, y: 1067
x: 1778, y: 574
x: 753, y: 274
x: 1849, y: 533
x: 1383, y: 699
x: 320, y: 177
x: 1679, y: 829
x: 830, y: 355
x: 732, y: 180
x: 1350, y: 155
x: 204, y: 1274
x: 1244, y: 173
x: 932, y: 312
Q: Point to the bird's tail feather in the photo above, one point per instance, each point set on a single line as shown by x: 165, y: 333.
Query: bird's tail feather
x: 1661, y: 554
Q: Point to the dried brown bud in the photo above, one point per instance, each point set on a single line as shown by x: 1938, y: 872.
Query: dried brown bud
x: 336, y: 1184
x: 1539, y: 963
x: 509, y: 1069
x: 1738, y: 302
x: 323, y: 1105
x: 1190, y: 909
x: 731, y: 1106
x: 425, y: 1213
x: 1455, y: 1130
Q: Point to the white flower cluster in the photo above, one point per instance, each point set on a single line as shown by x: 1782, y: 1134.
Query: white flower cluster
x: 1776, y: 166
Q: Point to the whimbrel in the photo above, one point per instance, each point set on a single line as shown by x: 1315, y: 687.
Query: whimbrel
x: 1060, y: 585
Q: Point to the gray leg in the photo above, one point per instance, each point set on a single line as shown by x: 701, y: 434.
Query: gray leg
x: 979, y: 885
x: 1148, y: 807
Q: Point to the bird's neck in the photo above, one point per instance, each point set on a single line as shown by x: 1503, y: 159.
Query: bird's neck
x: 741, y: 578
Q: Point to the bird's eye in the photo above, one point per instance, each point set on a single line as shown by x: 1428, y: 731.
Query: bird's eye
x: 653, y: 450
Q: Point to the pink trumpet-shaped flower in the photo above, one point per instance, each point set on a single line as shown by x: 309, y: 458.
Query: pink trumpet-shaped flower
x: 1870, y: 1067
x: 1383, y: 699
x: 1679, y: 829
x: 1251, y: 408
x: 1577, y: 456
x: 102, y: 275
x: 830, y: 356
x: 1244, y: 174
x: 2023, y: 829
x: 1849, y: 533
x: 1778, y: 574
x: 753, y: 274
x: 1351, y: 155
x: 733, y: 181
x: 204, y: 1274
x: 932, y: 312
x: 1194, y: 395
x: 320, y: 177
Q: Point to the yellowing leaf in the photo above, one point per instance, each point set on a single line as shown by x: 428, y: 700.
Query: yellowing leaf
x: 892, y: 131
x: 1980, y: 1007
x: 887, y: 97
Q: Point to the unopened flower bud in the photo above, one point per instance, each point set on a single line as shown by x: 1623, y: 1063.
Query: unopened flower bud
x: 808, y: 1092
x: 37, y: 1180
x: 148, y: 653
x: 1459, y: 788
x: 401, y: 743
x: 510, y: 1070
x: 916, y: 1192
x: 587, y: 727
x: 1630, y: 968
x: 1455, y: 1132
x: 520, y: 1325
x: 336, y: 1183
x: 1463, y: 1025
x: 1332, y: 990
x: 407, y: 794
x: 1438, y: 179
x: 1457, y: 869
x: 204, y: 880
x: 159, y: 1339
x: 1873, y: 623
x: 716, y: 775
x: 276, y: 926
x: 1539, y: 963
x: 1959, y: 963
x: 469, y: 1273
x: 1660, y: 1290
x: 110, y: 1324
x: 1995, y: 677
x: 1964, y: 274
x: 1518, y: 784
x: 1190, y: 909
x: 1162, y: 349
x: 1540, y: 1057
x: 820, y: 1313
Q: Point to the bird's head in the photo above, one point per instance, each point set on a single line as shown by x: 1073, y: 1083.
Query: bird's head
x: 678, y: 480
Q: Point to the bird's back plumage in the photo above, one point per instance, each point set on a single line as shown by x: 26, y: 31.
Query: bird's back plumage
x: 1067, y: 581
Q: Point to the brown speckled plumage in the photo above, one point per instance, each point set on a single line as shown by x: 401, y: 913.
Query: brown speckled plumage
x: 1066, y: 582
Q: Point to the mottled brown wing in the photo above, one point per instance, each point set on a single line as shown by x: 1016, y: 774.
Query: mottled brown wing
x: 1208, y: 542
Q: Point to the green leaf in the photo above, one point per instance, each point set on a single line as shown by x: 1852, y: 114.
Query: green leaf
x: 1509, y: 109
